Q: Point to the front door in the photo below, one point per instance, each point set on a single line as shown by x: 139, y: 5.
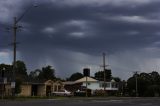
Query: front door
x: 48, y: 90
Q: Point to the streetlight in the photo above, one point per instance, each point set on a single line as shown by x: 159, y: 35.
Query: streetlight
x: 136, y: 73
x: 15, y: 27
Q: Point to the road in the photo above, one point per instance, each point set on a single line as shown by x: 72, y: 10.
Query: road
x: 85, y: 102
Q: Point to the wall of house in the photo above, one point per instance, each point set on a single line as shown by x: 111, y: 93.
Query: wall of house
x: 57, y: 87
x: 92, y: 85
x: 99, y: 85
x: 8, y: 90
x: 41, y: 91
x: 25, y: 90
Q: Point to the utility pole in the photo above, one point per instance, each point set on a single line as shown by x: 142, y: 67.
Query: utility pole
x: 86, y: 87
x: 14, y: 55
x: 86, y: 72
x: 15, y: 27
x: 136, y: 73
x: 104, y: 69
x: 3, y: 83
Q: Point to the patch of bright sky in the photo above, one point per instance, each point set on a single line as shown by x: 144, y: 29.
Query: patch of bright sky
x: 5, y: 57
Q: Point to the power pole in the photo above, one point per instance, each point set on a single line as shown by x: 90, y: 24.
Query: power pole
x: 14, y: 55
x: 3, y: 83
x: 104, y: 69
x: 86, y: 87
x: 15, y: 27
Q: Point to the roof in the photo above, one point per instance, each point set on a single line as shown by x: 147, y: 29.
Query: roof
x: 69, y: 83
x: 89, y: 79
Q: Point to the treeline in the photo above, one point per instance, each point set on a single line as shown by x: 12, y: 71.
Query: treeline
x: 148, y: 84
x: 21, y: 72
x: 46, y: 73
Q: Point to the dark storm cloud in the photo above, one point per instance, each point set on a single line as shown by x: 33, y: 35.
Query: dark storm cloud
x: 107, y: 31
x: 61, y: 32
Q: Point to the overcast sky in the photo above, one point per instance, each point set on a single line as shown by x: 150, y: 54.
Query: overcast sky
x: 72, y: 34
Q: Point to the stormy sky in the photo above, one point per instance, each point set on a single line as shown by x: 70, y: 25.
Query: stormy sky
x: 72, y: 34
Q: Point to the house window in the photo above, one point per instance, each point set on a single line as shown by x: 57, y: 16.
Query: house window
x: 55, y: 88
x: 102, y: 85
x: 107, y: 85
x: 59, y: 87
x: 114, y: 85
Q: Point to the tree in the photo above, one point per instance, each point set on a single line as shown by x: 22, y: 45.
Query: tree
x: 75, y: 76
x: 20, y: 74
x: 122, y: 88
x: 147, y: 83
x: 43, y: 74
x: 155, y: 77
x: 117, y: 79
x: 153, y: 90
x: 142, y: 84
x: 100, y: 75
x: 131, y: 85
x: 47, y: 73
x: 18, y: 86
x: 21, y: 71
x: 7, y: 72
x: 34, y: 75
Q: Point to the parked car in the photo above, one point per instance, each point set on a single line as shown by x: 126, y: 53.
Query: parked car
x: 62, y: 93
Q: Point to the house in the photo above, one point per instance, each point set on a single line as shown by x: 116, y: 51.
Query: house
x: 40, y: 88
x: 33, y: 88
x: 93, y: 84
x: 72, y: 86
x: 4, y: 88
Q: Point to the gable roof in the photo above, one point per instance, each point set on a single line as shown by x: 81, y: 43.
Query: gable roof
x: 89, y: 79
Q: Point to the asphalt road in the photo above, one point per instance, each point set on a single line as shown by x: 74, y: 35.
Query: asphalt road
x: 85, y: 102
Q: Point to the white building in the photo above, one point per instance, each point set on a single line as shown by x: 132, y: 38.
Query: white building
x: 94, y: 84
